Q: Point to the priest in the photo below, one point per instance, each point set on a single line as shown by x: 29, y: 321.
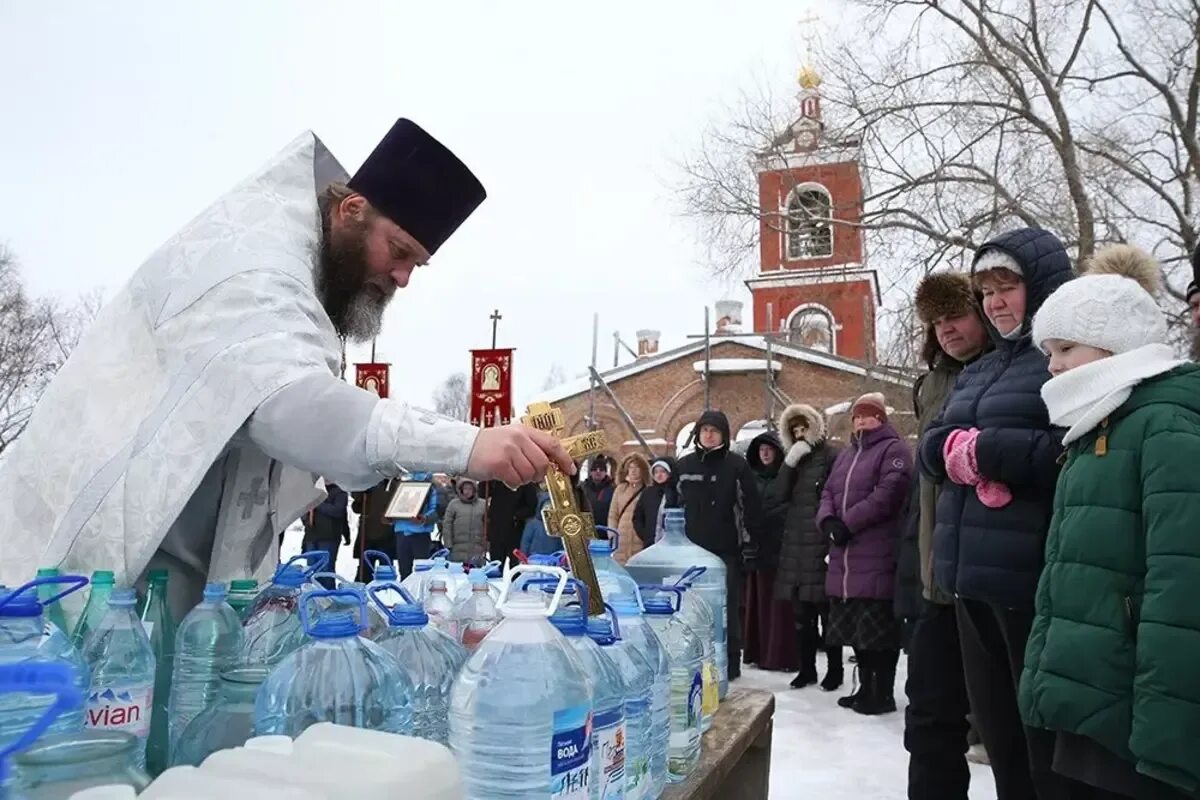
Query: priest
x: 202, y: 412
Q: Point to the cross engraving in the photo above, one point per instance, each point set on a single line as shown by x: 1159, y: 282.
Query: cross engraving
x: 255, y: 497
x: 563, y: 516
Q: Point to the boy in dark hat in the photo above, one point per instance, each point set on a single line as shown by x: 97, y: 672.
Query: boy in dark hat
x: 935, y: 722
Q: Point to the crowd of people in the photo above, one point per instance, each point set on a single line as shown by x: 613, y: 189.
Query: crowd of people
x: 1031, y: 546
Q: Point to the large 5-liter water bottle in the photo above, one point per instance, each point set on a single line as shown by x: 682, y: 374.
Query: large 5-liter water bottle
x: 696, y: 613
x: 635, y: 630
x: 521, y: 709
x: 477, y: 615
x: 638, y: 679
x: 431, y: 659
x: 96, y: 607
x: 227, y: 722
x: 28, y: 637
x: 209, y: 640
x: 383, y: 573
x: 607, y: 780
x: 613, y: 578
x: 338, y: 676
x: 272, y: 623
x: 675, y: 554
x: 122, y: 662
x: 686, y: 654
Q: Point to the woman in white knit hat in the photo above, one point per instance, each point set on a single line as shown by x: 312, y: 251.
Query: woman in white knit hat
x: 1113, y: 660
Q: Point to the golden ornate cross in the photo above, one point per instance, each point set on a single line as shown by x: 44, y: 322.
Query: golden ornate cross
x: 563, y: 517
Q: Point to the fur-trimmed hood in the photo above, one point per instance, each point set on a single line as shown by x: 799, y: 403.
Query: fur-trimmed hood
x: 643, y: 465
x: 816, y: 424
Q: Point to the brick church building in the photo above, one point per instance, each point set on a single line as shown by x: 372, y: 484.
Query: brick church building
x: 812, y: 332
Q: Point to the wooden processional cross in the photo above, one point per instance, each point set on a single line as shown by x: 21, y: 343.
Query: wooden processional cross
x: 563, y: 517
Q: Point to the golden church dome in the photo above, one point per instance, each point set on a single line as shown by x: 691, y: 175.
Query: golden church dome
x: 809, y: 78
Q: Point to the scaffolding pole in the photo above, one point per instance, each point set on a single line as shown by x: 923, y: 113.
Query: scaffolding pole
x: 628, y: 420
x: 707, y: 362
x: 591, y: 420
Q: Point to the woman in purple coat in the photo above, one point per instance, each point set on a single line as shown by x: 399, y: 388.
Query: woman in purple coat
x: 862, y: 510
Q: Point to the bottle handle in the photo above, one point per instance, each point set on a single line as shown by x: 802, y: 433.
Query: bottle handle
x: 314, y: 561
x: 308, y: 622
x: 374, y: 591
x: 614, y: 537
x: 689, y: 576
x: 675, y: 591
x: 443, y: 553
x: 525, y: 569
x: 379, y: 557
x: 574, y: 587
x: 338, y: 580
x: 612, y: 617
x: 75, y: 583
x: 38, y: 678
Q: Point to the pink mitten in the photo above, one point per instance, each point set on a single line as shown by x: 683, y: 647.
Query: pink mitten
x: 993, y: 494
x: 959, y: 455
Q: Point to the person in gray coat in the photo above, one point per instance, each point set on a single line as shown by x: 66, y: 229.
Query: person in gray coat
x: 462, y: 524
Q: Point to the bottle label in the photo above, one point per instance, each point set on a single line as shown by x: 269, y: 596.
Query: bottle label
x: 126, y: 709
x: 610, y: 740
x: 571, y: 753
x: 712, y: 688
x: 695, y: 700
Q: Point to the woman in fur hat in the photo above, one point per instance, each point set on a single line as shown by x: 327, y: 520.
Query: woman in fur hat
x: 1112, y: 660
x: 800, y: 579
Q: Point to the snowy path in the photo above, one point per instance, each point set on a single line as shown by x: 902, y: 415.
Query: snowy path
x: 824, y: 752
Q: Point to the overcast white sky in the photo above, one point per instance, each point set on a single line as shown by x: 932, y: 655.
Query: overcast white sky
x: 124, y: 119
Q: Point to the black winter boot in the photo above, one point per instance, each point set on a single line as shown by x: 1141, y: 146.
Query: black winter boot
x: 860, y: 679
x: 806, y: 634
x: 881, y: 683
x: 834, y: 674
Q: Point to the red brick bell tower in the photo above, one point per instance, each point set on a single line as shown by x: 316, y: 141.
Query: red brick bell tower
x: 813, y: 286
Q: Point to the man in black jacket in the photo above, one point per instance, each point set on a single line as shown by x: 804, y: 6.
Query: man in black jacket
x: 599, y: 488
x: 508, y: 509
x: 719, y: 496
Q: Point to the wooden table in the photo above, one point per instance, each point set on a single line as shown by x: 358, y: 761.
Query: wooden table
x: 735, y: 758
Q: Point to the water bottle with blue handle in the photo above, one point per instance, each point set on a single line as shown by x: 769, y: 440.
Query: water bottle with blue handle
x: 431, y: 659
x: 674, y: 554
x: 638, y: 678
x: 521, y: 708
x: 209, y: 640
x: 272, y: 623
x: 641, y: 636
x: 695, y: 612
x: 685, y: 650
x: 607, y: 780
x: 383, y: 573
x: 51, y: 688
x: 336, y: 676
x: 28, y: 637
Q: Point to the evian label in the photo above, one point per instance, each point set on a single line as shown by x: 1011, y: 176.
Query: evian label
x: 125, y: 709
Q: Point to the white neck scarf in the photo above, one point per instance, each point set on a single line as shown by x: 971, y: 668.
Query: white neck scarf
x: 1082, y: 398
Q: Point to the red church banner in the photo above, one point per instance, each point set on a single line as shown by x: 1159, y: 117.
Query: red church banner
x: 372, y: 377
x: 491, y: 387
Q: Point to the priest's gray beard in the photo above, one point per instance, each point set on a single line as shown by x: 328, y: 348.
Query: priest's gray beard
x: 355, y: 306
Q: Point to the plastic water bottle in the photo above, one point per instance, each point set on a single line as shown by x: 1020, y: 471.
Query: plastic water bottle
x: 383, y: 575
x: 337, y: 677
x: 460, y: 584
x: 427, y: 657
x: 227, y: 722
x: 160, y: 628
x: 53, y: 610
x: 695, y: 612
x: 97, y: 606
x: 209, y: 640
x: 607, y: 779
x: 675, y: 554
x: 440, y: 609
x: 118, y: 651
x: 638, y: 633
x: 241, y: 595
x: 477, y: 615
x: 28, y: 638
x: 638, y: 680
x: 613, y: 578
x: 272, y: 624
x: 686, y: 654
x: 415, y: 582
x: 521, y: 709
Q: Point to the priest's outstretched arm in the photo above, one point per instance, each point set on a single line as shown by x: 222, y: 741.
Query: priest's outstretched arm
x: 351, y: 437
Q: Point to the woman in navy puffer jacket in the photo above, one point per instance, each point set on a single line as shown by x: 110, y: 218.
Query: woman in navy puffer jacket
x: 996, y: 455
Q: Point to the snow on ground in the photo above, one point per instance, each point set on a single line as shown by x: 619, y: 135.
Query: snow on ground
x: 825, y: 752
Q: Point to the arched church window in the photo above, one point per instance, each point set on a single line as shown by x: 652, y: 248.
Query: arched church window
x: 812, y: 328
x: 809, y: 226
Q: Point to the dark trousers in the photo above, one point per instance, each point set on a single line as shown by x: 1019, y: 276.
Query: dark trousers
x: 502, y: 544
x: 330, y: 546
x: 733, y: 614
x: 935, y: 722
x: 993, y: 651
x: 408, y: 549
x: 808, y: 616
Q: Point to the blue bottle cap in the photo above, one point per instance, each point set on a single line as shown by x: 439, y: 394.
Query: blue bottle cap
x: 385, y: 572
x: 625, y: 604
x: 214, y: 592
x: 331, y: 624
x: 123, y: 597
x: 407, y: 615
x: 334, y: 625
x: 476, y: 577
x: 423, y: 567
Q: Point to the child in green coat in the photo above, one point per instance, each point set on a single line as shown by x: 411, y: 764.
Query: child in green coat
x: 1112, y: 665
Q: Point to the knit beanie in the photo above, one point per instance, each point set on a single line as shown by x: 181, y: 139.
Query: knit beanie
x: 661, y: 463
x: 1192, y: 290
x: 871, y: 404
x: 1110, y: 306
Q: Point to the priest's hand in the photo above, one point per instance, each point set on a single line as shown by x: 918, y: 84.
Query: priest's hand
x: 516, y: 455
